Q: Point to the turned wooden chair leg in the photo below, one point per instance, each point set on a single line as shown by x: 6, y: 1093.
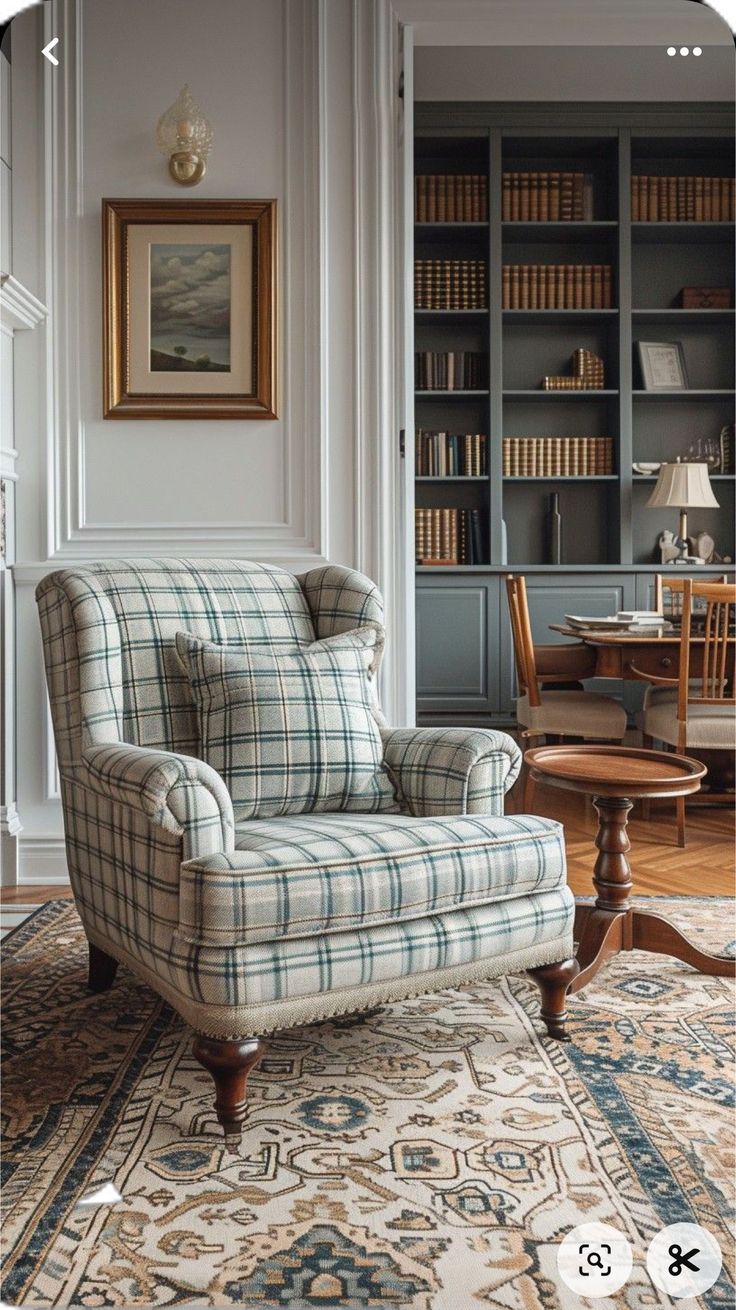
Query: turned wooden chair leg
x: 229, y: 1063
x: 680, y: 820
x: 553, y: 981
x: 102, y: 969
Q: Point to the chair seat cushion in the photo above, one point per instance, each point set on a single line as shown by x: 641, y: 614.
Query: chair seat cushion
x: 576, y: 713
x: 327, y: 873
x: 709, y: 727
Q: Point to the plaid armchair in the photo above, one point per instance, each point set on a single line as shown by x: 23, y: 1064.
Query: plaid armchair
x: 249, y: 927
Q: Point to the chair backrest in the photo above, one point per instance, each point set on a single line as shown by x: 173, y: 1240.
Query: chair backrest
x: 521, y: 629
x: 109, y: 628
x: 674, y: 587
x: 713, y: 684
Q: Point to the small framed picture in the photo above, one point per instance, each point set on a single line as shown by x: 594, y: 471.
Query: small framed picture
x: 189, y: 309
x: 662, y: 365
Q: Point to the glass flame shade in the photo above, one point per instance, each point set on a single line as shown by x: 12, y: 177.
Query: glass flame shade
x: 184, y: 127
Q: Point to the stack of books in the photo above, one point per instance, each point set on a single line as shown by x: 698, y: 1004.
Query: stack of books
x: 546, y: 197
x: 682, y: 199
x: 449, y: 455
x: 449, y: 536
x: 449, y: 370
x: 451, y: 198
x: 557, y: 286
x: 557, y: 457
x: 450, y: 283
x: 634, y: 621
x: 588, y: 374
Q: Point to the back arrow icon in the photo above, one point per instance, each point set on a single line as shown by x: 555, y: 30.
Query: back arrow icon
x: 47, y: 51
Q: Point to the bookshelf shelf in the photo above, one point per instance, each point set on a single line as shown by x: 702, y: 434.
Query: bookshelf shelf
x: 578, y: 477
x: 609, y: 538
x: 558, y: 315
x: 692, y: 393
x: 714, y: 477
x: 700, y: 232
x: 684, y: 316
x: 538, y: 393
x: 448, y: 231
x: 594, y: 231
x: 449, y: 315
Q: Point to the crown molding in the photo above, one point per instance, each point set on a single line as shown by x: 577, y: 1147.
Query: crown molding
x: 20, y: 310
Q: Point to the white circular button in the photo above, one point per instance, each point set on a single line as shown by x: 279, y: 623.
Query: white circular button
x: 684, y: 1260
x: 594, y: 1260
x: 671, y: 50
x: 684, y: 50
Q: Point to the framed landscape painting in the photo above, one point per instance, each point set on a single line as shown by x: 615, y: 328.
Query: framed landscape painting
x: 189, y: 308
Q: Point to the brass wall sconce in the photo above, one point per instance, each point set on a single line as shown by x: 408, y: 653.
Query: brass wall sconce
x: 185, y: 136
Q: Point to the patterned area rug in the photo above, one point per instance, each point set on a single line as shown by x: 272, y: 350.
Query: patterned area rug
x: 431, y: 1155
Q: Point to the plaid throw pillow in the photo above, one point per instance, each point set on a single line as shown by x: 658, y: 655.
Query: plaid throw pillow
x: 292, y: 733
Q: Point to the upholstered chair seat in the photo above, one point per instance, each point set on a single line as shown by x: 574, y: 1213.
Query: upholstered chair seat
x: 255, y: 899
x: 581, y: 713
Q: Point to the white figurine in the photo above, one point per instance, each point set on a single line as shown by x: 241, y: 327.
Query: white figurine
x: 669, y: 547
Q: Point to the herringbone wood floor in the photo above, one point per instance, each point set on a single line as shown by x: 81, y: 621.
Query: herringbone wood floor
x: 704, y: 868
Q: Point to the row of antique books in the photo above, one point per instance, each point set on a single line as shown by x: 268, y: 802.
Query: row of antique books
x: 451, y: 198
x: 450, y: 283
x: 682, y: 199
x: 546, y: 197
x: 449, y: 536
x: 557, y: 286
x: 556, y: 457
x: 449, y: 370
x: 449, y: 454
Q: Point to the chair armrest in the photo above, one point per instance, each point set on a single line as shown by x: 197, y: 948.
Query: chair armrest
x: 179, y: 793
x: 451, y: 770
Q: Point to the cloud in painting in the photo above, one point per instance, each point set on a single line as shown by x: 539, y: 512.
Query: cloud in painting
x: 191, y: 298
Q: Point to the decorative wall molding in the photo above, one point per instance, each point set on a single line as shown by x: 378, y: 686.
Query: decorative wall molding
x: 43, y: 860
x: 20, y: 310
x: 299, y: 534
x: 380, y: 534
x: 8, y: 457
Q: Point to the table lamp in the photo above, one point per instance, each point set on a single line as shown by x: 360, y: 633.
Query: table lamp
x: 682, y: 486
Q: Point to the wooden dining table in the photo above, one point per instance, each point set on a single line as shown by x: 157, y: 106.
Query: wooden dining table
x: 632, y: 655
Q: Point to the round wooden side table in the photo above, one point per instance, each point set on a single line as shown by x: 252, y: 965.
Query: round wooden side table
x: 615, y: 776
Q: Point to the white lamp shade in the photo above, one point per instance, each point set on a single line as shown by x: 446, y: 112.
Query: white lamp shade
x: 683, y: 486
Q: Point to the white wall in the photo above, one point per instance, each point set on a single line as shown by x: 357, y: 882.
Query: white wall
x: 281, y: 81
x: 573, y: 73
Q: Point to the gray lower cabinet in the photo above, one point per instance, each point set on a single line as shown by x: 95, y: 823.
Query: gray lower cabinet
x: 465, y: 661
x: 457, y: 645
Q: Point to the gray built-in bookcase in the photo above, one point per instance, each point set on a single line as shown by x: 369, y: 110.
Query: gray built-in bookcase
x: 609, y: 551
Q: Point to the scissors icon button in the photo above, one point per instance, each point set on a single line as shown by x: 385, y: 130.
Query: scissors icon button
x: 684, y: 1260
x: 679, y: 1260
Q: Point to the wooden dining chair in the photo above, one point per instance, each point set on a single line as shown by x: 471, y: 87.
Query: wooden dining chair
x: 676, y: 588
x: 554, y: 713
x: 697, y: 709
x: 668, y: 598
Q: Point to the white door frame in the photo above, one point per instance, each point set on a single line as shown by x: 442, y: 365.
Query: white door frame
x: 383, y: 207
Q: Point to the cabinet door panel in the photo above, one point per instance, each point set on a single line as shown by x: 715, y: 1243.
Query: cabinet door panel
x: 550, y: 599
x: 455, y: 669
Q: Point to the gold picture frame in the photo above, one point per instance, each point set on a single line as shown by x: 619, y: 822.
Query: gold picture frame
x: 189, y: 309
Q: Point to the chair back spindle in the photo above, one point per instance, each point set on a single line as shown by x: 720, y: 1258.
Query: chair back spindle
x: 714, y: 685
x: 521, y: 630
